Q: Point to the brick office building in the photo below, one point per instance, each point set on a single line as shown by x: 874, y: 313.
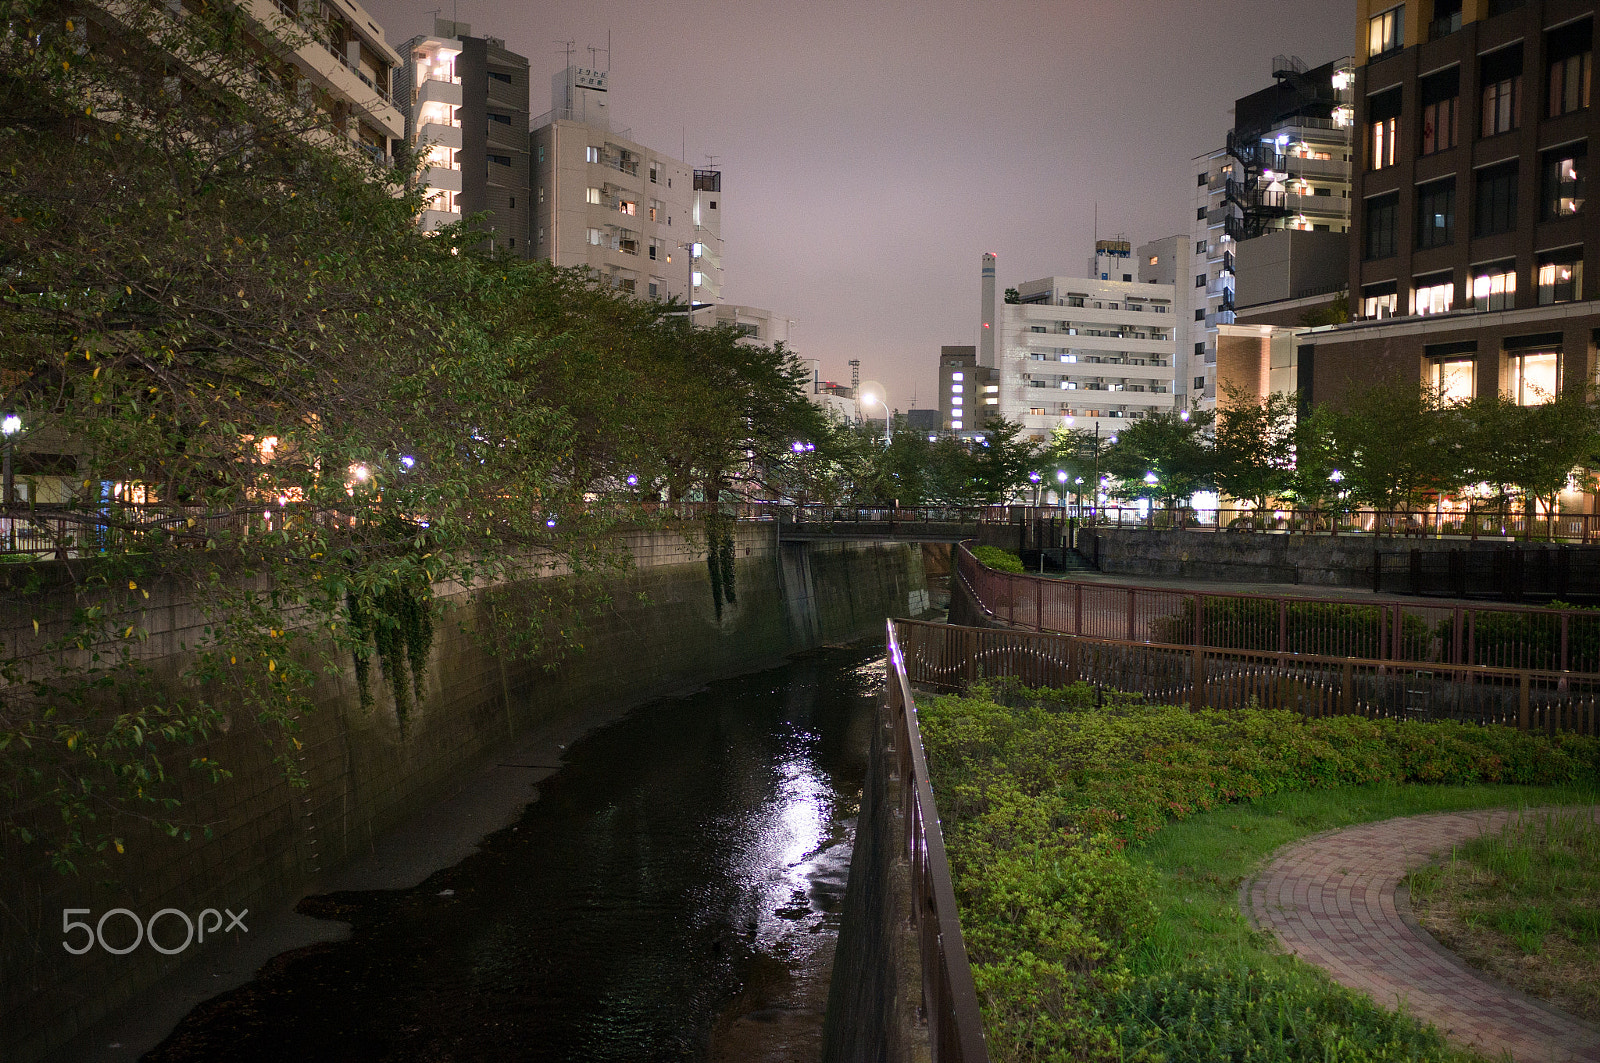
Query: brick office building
x: 1470, y: 223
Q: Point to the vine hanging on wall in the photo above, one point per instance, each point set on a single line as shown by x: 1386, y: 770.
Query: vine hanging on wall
x: 396, y: 621
x: 719, y: 560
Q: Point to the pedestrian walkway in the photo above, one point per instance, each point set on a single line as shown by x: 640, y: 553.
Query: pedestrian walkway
x: 1331, y: 901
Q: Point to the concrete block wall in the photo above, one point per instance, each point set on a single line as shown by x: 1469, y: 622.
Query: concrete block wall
x: 365, y: 770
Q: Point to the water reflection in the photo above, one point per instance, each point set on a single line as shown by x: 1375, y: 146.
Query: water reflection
x: 672, y: 895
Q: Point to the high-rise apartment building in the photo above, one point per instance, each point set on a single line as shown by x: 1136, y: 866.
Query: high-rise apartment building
x: 1077, y: 352
x: 646, y: 222
x: 468, y: 110
x: 1271, y: 210
x: 1472, y: 222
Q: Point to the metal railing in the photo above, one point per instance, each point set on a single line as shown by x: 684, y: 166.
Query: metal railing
x: 1562, y: 641
x: 942, y: 657
x: 949, y: 998
x: 1562, y: 527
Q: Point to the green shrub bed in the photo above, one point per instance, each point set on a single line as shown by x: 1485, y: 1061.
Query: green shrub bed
x: 1041, y: 800
x: 996, y: 558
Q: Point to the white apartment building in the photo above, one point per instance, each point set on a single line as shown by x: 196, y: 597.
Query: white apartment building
x: 758, y: 325
x: 646, y: 222
x: 1286, y: 167
x: 1074, y: 352
x: 435, y: 96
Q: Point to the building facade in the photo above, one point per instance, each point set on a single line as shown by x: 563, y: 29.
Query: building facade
x: 1271, y: 214
x: 468, y: 112
x: 1472, y: 226
x: 645, y: 222
x: 1072, y: 352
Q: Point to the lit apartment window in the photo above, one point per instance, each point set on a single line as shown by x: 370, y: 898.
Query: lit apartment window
x: 1436, y: 214
x: 956, y: 389
x: 1441, y: 98
x: 1501, y: 78
x: 1532, y: 376
x: 1496, y: 210
x: 627, y: 206
x: 991, y: 388
x: 1561, y: 184
x: 1038, y: 411
x: 591, y: 154
x: 1433, y: 294
x: 957, y: 376
x: 1568, y: 50
x: 1561, y: 276
x: 596, y: 237
x: 1494, y: 285
x: 1384, y: 32
x: 956, y: 425
x: 1383, y: 111
x: 1379, y: 300
x: 1452, y: 378
x: 594, y: 195
x: 955, y: 400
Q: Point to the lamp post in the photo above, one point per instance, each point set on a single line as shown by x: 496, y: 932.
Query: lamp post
x: 10, y: 426
x: 870, y: 397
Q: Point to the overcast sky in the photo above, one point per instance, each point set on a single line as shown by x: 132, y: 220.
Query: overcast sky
x: 873, y: 150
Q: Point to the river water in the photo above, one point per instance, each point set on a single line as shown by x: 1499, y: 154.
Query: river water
x: 671, y: 895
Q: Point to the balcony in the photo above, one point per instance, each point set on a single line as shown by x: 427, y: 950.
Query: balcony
x: 437, y: 90
x: 444, y: 136
x: 442, y: 177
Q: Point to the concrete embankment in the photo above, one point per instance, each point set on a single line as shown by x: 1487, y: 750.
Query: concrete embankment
x: 1259, y: 557
x: 370, y: 769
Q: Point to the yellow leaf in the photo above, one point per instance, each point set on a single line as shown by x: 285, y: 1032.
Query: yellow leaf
x: 272, y: 666
x: 233, y: 660
x: 128, y: 632
x: 36, y: 627
x: 96, y: 374
x: 132, y: 586
x: 72, y: 741
x: 145, y: 593
x: 119, y: 846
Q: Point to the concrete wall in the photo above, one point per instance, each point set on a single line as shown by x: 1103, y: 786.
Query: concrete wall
x: 1318, y: 560
x: 367, y: 770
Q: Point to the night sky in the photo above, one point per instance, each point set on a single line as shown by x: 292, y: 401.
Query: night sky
x: 872, y: 150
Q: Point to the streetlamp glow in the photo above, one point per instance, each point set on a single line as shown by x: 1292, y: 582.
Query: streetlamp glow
x: 11, y: 425
x: 1150, y: 478
x: 873, y: 394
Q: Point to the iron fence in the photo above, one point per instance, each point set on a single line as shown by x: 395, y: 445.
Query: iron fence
x: 949, y: 998
x: 1514, y: 573
x: 942, y: 657
x: 1563, y: 527
x: 1554, y: 640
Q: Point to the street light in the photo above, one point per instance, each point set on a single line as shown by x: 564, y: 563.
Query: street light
x: 10, y: 426
x: 869, y: 397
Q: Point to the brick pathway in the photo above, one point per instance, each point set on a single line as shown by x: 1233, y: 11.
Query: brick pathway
x: 1331, y: 901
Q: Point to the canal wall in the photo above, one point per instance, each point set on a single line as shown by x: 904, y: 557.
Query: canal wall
x: 875, y: 996
x: 1252, y: 557
x: 368, y: 769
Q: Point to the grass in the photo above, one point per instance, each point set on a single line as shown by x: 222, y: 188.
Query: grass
x: 1201, y: 862
x: 1523, y: 905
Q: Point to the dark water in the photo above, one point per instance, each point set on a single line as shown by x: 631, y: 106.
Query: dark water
x: 671, y: 895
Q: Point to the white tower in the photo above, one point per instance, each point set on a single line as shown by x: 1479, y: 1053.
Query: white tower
x: 986, y: 297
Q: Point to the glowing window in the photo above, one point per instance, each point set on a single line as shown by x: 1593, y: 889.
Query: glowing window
x: 956, y: 389
x: 957, y: 376
x: 1532, y: 377
x: 1494, y: 286
x: 1453, y: 379
x: 594, y: 195
x: 1433, y: 294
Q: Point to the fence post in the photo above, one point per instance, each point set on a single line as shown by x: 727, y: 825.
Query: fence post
x: 1199, y: 619
x: 1565, y: 616
x: 1038, y: 606
x: 1077, y: 618
x: 1283, y: 625
x: 1197, y: 673
x: 1011, y: 600
x: 1523, y: 711
x: 1347, y: 690
x: 1130, y: 613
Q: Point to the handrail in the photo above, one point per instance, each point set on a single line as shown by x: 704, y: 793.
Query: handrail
x: 1562, y: 641
x: 946, y: 657
x: 949, y: 997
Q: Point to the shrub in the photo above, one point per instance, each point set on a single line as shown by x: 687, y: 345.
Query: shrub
x: 996, y: 558
x: 1515, y: 639
x: 1327, y: 628
x: 1039, y: 800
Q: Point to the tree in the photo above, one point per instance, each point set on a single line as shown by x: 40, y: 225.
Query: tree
x: 1173, y: 449
x: 1255, y: 445
x: 1337, y: 312
x: 1395, y: 444
x: 1534, y: 451
x: 1001, y: 462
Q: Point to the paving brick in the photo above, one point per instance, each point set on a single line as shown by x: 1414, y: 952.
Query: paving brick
x: 1331, y: 901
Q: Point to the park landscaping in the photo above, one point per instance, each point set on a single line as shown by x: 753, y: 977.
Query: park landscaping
x: 1097, y: 852
x: 1523, y: 905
